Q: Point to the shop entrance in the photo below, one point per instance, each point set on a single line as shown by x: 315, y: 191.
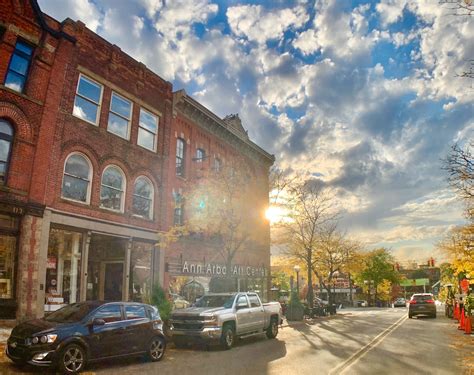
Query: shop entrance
x: 111, y: 281
x: 106, y: 268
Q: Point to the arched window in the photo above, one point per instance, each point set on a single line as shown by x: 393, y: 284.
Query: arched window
x: 77, y: 178
x: 112, y: 189
x: 6, y: 139
x: 143, y: 198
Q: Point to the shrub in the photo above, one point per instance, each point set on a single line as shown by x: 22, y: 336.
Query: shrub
x: 158, y: 299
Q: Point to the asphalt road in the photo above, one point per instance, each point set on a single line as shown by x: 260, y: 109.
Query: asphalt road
x: 359, y: 341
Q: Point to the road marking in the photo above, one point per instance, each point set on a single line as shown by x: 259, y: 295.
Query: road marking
x: 341, y: 369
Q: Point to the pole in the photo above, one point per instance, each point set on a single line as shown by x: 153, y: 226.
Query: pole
x: 298, y: 283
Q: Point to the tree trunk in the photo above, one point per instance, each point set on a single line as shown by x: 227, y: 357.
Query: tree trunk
x: 310, y: 294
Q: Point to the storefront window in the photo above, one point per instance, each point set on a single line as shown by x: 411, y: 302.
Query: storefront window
x: 63, y: 268
x: 140, y: 271
x: 7, y: 263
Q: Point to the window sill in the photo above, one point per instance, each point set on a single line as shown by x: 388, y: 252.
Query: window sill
x: 143, y: 218
x: 75, y: 201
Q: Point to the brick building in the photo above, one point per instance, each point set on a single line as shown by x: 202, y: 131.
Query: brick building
x: 204, y: 144
x: 88, y: 141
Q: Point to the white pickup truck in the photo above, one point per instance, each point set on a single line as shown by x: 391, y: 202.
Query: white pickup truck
x: 221, y: 317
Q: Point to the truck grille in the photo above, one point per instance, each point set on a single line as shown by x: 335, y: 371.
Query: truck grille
x: 195, y: 323
x: 191, y: 326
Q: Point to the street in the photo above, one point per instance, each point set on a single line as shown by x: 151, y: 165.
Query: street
x: 358, y: 341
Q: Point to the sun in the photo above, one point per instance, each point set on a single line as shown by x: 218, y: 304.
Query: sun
x: 275, y: 214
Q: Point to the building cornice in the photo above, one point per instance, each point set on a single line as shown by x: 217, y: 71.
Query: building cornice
x: 210, y: 122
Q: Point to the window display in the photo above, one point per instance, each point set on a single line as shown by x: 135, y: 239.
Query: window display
x: 7, y: 263
x: 63, y: 268
x: 140, y: 271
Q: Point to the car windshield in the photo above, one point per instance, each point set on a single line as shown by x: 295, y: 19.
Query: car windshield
x: 215, y: 301
x: 71, y: 313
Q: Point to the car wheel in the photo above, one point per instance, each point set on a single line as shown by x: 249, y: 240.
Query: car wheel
x: 156, y: 349
x: 72, y: 359
x: 228, y: 337
x: 272, y: 330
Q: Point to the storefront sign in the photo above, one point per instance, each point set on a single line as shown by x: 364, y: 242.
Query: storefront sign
x: 211, y: 269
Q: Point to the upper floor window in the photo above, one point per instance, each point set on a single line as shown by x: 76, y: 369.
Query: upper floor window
x: 147, y: 130
x: 143, y: 198
x: 217, y: 164
x: 119, y: 116
x: 178, y: 218
x: 77, y: 178
x: 180, y: 153
x: 88, y: 99
x: 20, y: 61
x: 112, y: 189
x: 6, y: 139
x: 200, y: 155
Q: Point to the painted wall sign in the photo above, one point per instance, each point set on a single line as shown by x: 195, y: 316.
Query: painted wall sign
x: 211, y: 269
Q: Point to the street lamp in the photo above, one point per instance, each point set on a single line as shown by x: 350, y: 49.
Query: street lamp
x: 297, y: 270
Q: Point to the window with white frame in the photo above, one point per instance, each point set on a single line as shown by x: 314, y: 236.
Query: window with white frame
x: 112, y: 189
x: 147, y: 130
x: 180, y: 153
x: 119, y: 116
x: 77, y: 178
x: 200, y: 155
x: 143, y: 198
x: 88, y: 100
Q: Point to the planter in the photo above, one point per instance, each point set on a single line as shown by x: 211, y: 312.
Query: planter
x: 295, y: 313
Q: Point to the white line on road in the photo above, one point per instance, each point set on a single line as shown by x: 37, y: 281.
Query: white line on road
x: 343, y: 367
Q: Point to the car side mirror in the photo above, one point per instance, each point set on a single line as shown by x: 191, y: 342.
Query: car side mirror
x: 98, y: 322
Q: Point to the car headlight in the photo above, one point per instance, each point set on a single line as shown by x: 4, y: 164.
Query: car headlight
x: 44, y: 339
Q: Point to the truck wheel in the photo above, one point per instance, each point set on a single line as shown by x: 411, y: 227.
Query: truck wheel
x: 272, y: 330
x: 228, y: 337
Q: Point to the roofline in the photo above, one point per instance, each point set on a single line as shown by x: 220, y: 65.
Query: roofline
x: 182, y: 95
x: 45, y: 26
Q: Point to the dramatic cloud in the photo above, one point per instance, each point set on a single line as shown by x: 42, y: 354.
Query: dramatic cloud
x: 367, y: 98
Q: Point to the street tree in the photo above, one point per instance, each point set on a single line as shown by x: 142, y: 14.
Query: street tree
x: 224, y: 207
x: 334, y: 254
x: 460, y: 168
x: 458, y: 245
x: 378, y: 268
x: 309, y: 206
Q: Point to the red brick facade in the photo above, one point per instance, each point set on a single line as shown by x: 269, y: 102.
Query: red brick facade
x: 46, y: 132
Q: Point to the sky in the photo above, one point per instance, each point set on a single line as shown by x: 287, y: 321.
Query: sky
x: 364, y: 95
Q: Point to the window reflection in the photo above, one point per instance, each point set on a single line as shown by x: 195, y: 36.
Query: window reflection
x: 6, y: 138
x: 143, y: 198
x: 140, y: 271
x: 148, y: 129
x: 76, y: 180
x: 119, y: 116
x: 112, y: 189
x: 19, y: 65
x: 87, y: 101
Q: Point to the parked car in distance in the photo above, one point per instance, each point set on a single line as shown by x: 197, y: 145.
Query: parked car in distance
x: 221, y: 317
x: 84, y: 332
x: 362, y: 303
x: 422, y: 304
x: 400, y: 302
x: 179, y: 302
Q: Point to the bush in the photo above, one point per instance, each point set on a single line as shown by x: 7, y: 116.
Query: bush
x: 158, y: 299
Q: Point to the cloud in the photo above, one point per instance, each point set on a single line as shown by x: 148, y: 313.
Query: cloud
x: 83, y: 10
x: 257, y: 24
